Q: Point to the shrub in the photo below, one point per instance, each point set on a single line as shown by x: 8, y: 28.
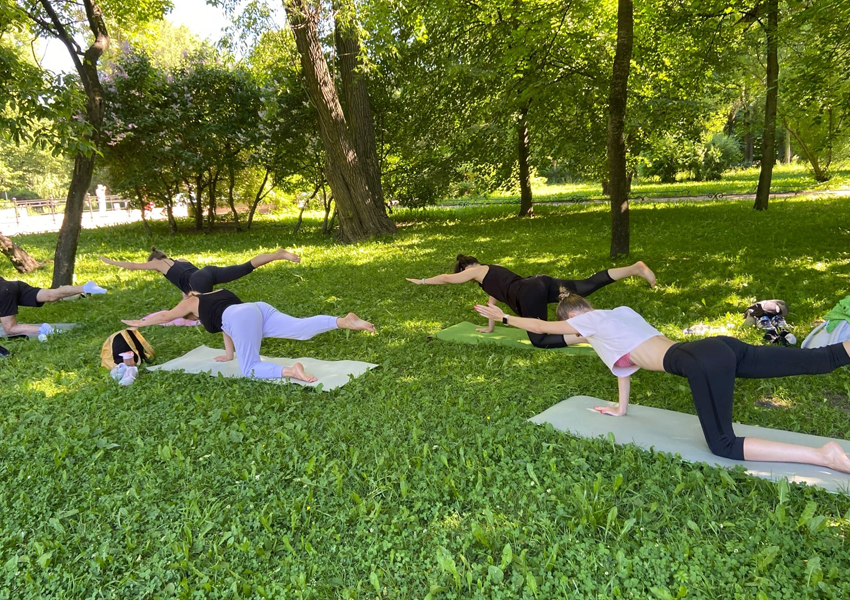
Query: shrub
x: 721, y: 154
x: 664, y: 158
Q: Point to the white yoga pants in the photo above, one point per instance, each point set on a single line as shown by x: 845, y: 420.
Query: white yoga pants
x: 247, y: 324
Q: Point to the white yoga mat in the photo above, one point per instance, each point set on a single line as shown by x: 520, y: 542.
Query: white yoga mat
x: 56, y: 326
x: 680, y: 433
x: 331, y: 374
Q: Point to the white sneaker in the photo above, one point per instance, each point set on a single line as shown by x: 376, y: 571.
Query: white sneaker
x: 117, y: 371
x: 90, y: 287
x: 130, y: 376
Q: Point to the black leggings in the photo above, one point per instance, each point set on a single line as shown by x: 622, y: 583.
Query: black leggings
x: 537, y: 293
x: 712, y: 364
x: 203, y: 280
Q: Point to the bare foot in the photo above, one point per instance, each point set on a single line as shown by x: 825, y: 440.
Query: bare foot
x: 645, y: 272
x: 296, y: 371
x: 835, y: 457
x: 287, y: 255
x: 352, y: 321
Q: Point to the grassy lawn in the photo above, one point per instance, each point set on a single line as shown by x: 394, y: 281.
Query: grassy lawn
x: 423, y: 478
x: 786, y: 178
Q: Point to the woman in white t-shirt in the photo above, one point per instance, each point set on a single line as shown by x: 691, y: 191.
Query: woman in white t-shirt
x: 626, y: 342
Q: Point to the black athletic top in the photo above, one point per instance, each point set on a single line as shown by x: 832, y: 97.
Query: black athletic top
x: 8, y: 298
x: 179, y: 274
x: 503, y: 285
x: 211, y: 307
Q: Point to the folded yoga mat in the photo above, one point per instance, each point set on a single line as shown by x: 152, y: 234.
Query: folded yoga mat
x: 331, y: 373
x: 502, y: 336
x: 56, y: 326
x: 680, y: 433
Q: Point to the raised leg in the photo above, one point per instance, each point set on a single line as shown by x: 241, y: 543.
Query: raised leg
x: 280, y: 325
x: 279, y: 254
x: 639, y: 269
x: 54, y: 294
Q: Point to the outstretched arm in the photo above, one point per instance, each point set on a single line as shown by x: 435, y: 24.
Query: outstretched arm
x: 151, y: 265
x: 532, y: 325
x: 187, y: 307
x: 624, y: 385
x: 462, y: 277
x: 228, y: 349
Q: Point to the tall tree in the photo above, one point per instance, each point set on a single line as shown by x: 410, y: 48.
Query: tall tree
x: 618, y: 179
x: 362, y: 213
x: 59, y: 19
x: 768, y: 145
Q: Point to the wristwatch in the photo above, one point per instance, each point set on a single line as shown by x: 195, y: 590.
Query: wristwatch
x: 504, y: 319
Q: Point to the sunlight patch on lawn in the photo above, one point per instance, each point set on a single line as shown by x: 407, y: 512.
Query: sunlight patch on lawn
x: 49, y: 386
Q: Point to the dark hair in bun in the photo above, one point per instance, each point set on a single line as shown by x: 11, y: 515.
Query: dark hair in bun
x: 156, y: 254
x: 464, y: 261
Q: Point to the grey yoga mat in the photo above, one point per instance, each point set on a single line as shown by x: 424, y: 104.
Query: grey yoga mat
x: 680, y: 433
x: 331, y: 373
x: 56, y: 327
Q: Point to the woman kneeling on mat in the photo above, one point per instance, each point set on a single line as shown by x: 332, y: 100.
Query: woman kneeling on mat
x: 626, y: 342
x: 245, y: 324
x: 530, y: 296
x: 189, y: 278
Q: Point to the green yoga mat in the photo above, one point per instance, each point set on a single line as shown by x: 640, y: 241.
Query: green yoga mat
x: 503, y: 336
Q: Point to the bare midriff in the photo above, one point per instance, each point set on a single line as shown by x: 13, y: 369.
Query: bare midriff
x: 650, y: 354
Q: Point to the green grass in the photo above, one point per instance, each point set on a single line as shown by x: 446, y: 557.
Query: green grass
x: 786, y: 178
x: 422, y: 478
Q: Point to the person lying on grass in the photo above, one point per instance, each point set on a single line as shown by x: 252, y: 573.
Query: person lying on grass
x: 245, y: 324
x: 626, y: 342
x: 530, y: 296
x: 188, y: 278
x: 17, y: 293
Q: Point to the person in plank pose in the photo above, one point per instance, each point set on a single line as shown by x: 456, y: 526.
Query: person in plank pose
x: 17, y: 293
x: 189, y: 278
x: 626, y: 342
x: 245, y: 324
x: 530, y: 296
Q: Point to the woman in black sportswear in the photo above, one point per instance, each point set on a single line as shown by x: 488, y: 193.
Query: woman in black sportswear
x: 189, y: 278
x: 530, y: 296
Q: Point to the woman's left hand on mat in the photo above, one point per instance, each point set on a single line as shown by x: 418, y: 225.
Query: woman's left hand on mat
x: 223, y: 358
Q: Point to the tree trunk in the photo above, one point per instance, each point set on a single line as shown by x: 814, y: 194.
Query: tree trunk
x: 358, y: 108
x: 328, y: 201
x: 768, y: 146
x: 525, y: 203
x: 142, y: 198
x: 213, y: 193
x: 64, y: 258
x: 261, y: 193
x: 818, y: 172
x: 617, y: 178
x: 231, y: 183
x: 362, y: 215
x: 199, y: 202
x: 787, y: 146
x: 21, y: 260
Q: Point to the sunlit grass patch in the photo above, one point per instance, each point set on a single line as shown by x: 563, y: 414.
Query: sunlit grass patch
x: 428, y: 461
